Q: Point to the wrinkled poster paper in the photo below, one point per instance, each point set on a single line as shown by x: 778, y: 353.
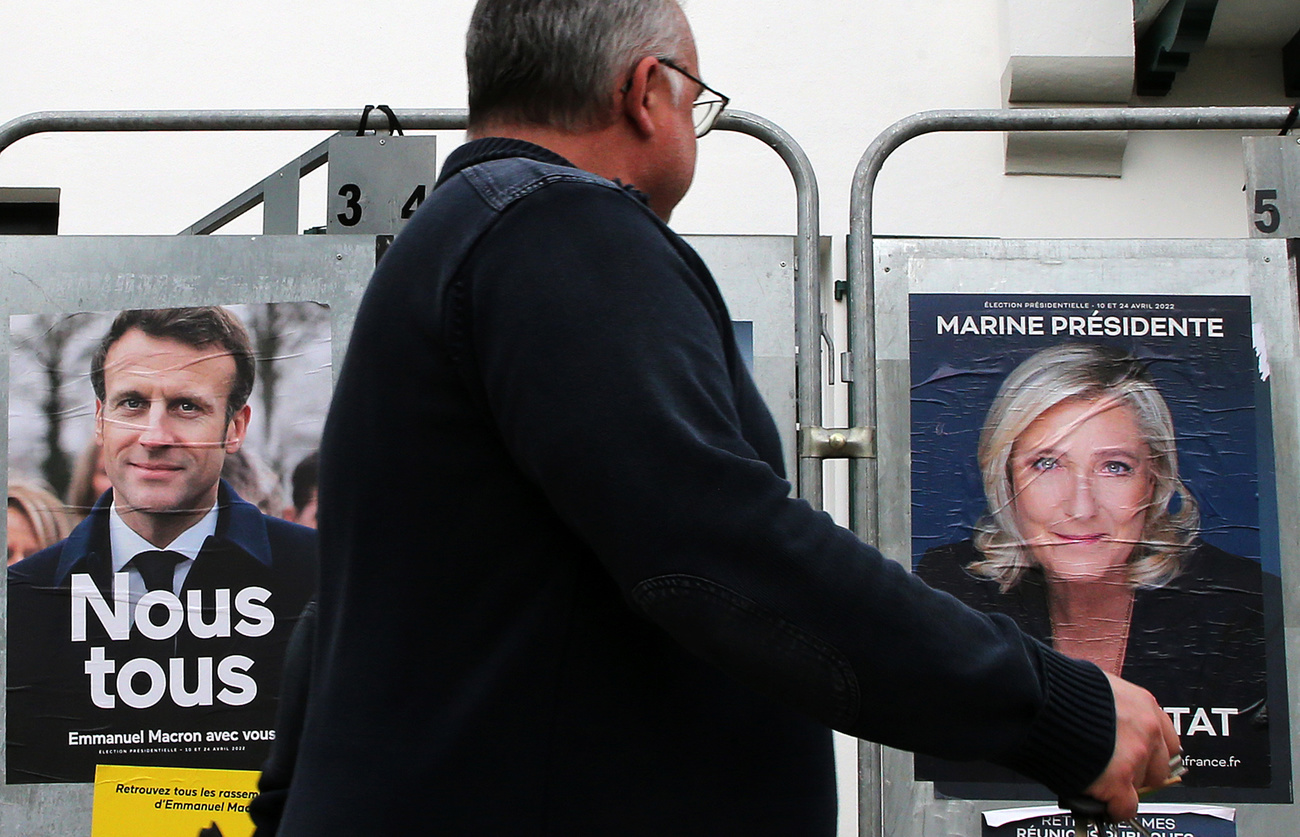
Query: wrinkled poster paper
x: 182, y: 677
x: 1073, y: 480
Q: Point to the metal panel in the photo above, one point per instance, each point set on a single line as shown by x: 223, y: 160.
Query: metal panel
x: 1259, y: 269
x: 775, y: 372
x: 280, y: 201
x: 63, y: 275
x: 757, y: 279
x: 377, y: 182
x: 756, y: 274
x: 1273, y: 186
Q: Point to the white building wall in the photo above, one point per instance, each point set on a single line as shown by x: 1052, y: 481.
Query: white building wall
x: 833, y: 74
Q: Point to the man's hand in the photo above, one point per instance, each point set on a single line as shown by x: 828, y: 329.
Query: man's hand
x: 1144, y: 742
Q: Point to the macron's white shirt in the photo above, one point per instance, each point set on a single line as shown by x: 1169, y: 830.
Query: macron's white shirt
x: 127, y: 544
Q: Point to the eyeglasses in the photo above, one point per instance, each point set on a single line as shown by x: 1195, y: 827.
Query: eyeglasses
x: 709, y: 103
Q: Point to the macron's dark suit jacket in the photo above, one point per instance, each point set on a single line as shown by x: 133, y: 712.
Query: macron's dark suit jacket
x: 49, y: 688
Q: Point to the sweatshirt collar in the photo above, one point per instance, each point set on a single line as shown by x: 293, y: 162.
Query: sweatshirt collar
x: 497, y: 148
x: 500, y: 148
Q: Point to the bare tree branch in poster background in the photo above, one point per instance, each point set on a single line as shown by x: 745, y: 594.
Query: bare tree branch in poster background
x: 52, y: 404
x: 49, y: 342
x: 280, y: 332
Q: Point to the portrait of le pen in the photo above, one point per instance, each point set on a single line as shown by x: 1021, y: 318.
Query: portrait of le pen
x: 1109, y: 518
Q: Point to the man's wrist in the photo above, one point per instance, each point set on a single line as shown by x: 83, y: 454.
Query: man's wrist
x: 1072, y: 739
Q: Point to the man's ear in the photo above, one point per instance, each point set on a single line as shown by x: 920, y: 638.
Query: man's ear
x: 99, y: 422
x: 237, y: 428
x: 648, y: 90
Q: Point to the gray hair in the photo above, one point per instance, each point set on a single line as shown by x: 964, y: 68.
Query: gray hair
x: 1082, y: 372
x: 556, y: 62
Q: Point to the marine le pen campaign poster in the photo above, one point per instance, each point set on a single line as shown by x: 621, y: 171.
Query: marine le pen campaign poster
x: 1098, y: 468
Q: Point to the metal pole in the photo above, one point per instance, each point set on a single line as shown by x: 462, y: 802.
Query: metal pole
x: 251, y: 197
x: 861, y: 278
x: 807, y: 277
x: 336, y: 119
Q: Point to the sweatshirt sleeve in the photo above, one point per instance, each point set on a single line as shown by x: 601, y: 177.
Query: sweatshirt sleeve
x: 606, y: 363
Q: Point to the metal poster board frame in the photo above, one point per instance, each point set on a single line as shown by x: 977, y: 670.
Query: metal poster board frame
x: 62, y: 276
x: 106, y: 274
x: 780, y: 319
x: 1153, y: 277
x: 1273, y: 186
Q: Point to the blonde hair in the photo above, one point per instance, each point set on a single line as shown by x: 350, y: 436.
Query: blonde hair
x: 1082, y: 372
x: 51, y: 522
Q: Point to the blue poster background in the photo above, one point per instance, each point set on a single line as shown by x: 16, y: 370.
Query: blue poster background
x: 963, y: 346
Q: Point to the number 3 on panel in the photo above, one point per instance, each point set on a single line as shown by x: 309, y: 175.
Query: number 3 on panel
x: 351, y: 194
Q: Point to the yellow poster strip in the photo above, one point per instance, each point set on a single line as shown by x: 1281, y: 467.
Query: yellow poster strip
x: 172, y: 802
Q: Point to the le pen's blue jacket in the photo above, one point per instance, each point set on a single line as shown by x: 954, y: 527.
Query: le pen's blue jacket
x: 49, y: 687
x: 565, y: 590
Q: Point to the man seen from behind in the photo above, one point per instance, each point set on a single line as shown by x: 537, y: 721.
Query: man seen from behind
x: 565, y: 590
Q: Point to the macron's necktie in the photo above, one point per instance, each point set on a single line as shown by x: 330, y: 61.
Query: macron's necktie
x: 157, y: 568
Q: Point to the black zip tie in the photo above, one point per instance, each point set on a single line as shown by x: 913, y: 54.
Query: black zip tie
x: 396, y: 127
x: 1290, y: 119
x: 393, y: 124
x: 365, y: 115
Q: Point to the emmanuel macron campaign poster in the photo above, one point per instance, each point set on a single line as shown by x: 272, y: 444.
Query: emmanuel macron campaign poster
x: 154, y: 576
x: 1098, y: 468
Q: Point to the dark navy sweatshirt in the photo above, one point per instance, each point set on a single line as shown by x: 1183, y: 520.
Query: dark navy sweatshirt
x: 565, y: 587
